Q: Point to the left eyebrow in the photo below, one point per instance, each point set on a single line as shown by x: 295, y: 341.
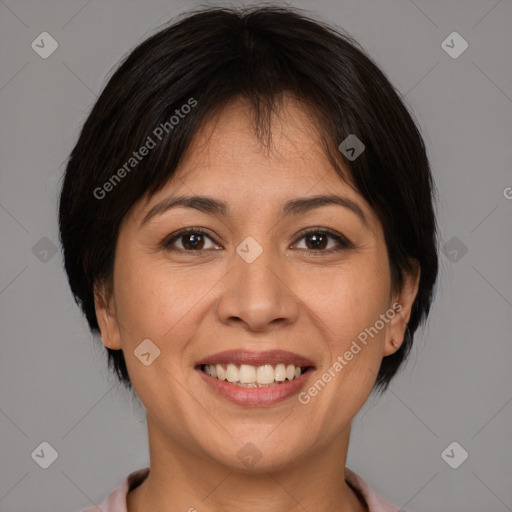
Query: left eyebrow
x: 214, y: 206
x: 302, y: 205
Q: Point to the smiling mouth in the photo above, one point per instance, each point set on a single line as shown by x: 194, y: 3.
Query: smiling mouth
x: 249, y: 376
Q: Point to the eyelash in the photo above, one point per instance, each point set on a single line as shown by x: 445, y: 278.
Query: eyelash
x: 343, y: 242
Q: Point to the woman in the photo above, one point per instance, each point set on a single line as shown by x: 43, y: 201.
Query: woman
x: 247, y: 219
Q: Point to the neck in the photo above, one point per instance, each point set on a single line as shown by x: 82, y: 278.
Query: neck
x: 181, y: 480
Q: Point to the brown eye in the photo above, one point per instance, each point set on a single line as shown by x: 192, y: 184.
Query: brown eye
x: 318, y: 240
x: 190, y: 240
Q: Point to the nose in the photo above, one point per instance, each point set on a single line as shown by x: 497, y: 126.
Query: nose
x: 258, y: 295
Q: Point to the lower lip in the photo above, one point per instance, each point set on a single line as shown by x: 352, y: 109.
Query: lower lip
x: 254, y: 397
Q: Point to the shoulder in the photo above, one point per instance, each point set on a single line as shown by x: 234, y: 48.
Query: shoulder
x: 116, y: 500
x: 374, y: 502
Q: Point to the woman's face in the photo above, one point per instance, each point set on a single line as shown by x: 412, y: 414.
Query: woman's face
x: 247, y: 286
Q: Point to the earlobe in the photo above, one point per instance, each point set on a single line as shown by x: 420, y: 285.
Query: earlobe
x: 405, y: 298
x: 395, y: 334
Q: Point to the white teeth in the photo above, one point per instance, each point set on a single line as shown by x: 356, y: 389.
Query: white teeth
x: 247, y: 375
x: 280, y: 372
x: 265, y: 374
x: 221, y: 373
x: 232, y: 373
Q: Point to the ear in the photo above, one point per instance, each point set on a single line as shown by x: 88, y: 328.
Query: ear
x: 106, y: 316
x: 402, y: 304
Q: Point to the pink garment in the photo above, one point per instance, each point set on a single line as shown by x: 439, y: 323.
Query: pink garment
x: 116, y: 500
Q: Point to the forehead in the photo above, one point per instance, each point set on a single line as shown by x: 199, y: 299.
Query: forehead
x: 227, y: 159
x: 227, y: 146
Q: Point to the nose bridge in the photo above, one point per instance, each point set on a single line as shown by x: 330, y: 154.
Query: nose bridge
x: 257, y: 267
x: 256, y: 292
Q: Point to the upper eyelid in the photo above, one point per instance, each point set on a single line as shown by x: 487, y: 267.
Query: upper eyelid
x: 304, y: 232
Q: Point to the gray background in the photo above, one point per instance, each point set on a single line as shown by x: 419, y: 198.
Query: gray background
x: 457, y: 386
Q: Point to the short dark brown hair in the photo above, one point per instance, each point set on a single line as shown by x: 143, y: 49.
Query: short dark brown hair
x: 207, y: 59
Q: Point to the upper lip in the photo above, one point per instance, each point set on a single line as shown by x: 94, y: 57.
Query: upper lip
x: 272, y: 357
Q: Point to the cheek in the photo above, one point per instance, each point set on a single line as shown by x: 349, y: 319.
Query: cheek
x: 158, y: 301
x: 350, y: 298
x: 347, y: 305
